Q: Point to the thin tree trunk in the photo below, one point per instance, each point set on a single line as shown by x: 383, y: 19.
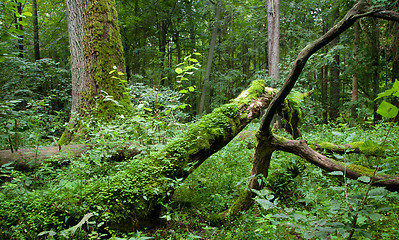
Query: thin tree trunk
x: 334, y: 78
x: 21, y: 28
x: 324, y: 86
x: 204, y: 101
x: 395, y: 50
x: 355, y: 91
x: 35, y: 30
x: 162, y: 48
x: 273, y: 32
x: 395, y: 64
x: 375, y: 53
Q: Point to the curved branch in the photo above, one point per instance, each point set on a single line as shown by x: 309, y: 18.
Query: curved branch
x: 352, y: 171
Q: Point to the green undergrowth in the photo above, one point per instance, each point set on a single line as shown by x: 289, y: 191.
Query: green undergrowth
x: 310, y: 205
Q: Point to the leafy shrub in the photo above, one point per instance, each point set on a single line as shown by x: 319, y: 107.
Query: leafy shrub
x: 35, y: 103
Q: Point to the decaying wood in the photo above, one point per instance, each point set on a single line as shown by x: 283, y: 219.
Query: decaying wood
x: 31, y: 157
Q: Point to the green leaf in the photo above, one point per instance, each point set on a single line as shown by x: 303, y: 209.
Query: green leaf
x: 23, y: 23
x: 191, y: 89
x: 336, y: 173
x: 375, y: 216
x: 179, y: 70
x: 28, y: 14
x: 183, y: 91
x: 148, y: 109
x: 395, y: 86
x: 387, y: 110
x: 385, y: 94
x: 112, y: 71
x: 364, y: 179
x: 368, y: 145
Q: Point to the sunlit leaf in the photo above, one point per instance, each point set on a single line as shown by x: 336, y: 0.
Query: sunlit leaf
x: 23, y: 23
x: 385, y: 93
x: 336, y: 173
x: 387, y: 110
x: 179, y: 70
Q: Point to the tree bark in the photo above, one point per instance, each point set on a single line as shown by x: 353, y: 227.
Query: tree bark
x: 21, y: 28
x: 395, y: 64
x: 35, y: 30
x: 375, y: 76
x: 205, y: 95
x: 96, y: 58
x: 355, y: 90
x: 273, y: 32
x: 334, y: 78
x: 352, y: 171
x: 74, y: 10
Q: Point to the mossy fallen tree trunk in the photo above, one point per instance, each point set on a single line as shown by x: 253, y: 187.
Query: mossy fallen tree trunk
x: 365, y: 148
x: 131, y: 197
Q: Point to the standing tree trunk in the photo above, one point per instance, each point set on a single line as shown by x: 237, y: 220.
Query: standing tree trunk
x: 356, y: 41
x: 375, y: 54
x: 96, y: 50
x: 35, y: 30
x: 273, y: 33
x: 334, y: 79
x: 395, y: 64
x: 324, y: 83
x: 163, y: 26
x: 21, y: 29
x: 204, y: 101
x: 78, y: 61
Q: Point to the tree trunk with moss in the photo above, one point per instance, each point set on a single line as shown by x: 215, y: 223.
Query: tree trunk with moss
x: 97, y: 64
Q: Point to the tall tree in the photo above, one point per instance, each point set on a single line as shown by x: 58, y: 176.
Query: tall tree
x: 96, y: 50
x: 334, y: 78
x: 355, y: 81
x: 273, y: 32
x: 35, y: 30
x: 20, y: 27
x: 375, y: 62
x: 205, y: 95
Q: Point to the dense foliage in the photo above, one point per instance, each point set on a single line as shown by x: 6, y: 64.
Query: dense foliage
x: 166, y: 44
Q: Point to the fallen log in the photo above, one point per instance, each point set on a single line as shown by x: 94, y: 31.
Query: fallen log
x: 131, y: 197
x: 28, y: 158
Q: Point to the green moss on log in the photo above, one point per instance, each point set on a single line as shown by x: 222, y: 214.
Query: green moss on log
x: 131, y: 197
